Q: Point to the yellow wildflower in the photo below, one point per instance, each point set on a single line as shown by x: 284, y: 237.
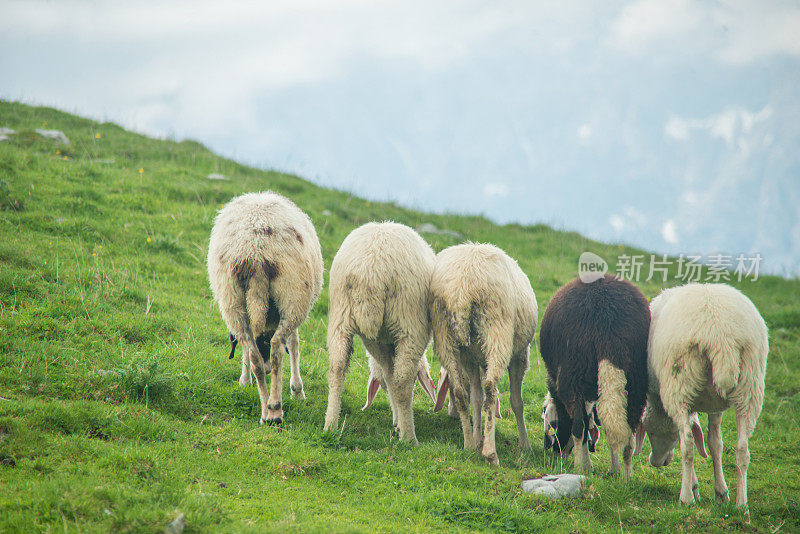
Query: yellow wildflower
x: 97, y: 136
x: 148, y: 239
x: 141, y: 170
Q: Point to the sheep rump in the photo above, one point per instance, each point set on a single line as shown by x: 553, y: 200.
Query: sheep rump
x: 707, y: 352
x: 265, y: 271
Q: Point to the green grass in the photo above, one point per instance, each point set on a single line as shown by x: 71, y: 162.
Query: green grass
x: 120, y: 408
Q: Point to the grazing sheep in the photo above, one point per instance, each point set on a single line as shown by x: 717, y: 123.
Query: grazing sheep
x: 707, y: 352
x: 594, y: 344
x: 483, y: 312
x: 379, y: 283
x: 265, y: 268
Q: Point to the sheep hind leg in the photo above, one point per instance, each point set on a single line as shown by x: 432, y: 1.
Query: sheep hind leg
x: 624, y: 470
x: 516, y: 373
x: 340, y: 347
x: 296, y: 381
x: 401, y: 387
x: 244, y: 378
x: 460, y: 397
x: 690, y: 491
x: 476, y: 401
x: 745, y: 424
x: 714, y: 439
x: 583, y: 462
x: 495, y: 369
x: 275, y: 405
x: 260, y: 372
x: 448, y: 356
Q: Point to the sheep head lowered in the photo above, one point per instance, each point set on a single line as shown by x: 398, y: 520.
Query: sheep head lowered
x: 561, y: 442
x: 663, y: 434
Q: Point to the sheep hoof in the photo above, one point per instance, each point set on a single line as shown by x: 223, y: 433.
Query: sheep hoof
x: 691, y: 496
x: 298, y: 393
x: 244, y: 380
x: 492, y: 459
x: 275, y: 421
x: 524, y: 444
x: 722, y: 496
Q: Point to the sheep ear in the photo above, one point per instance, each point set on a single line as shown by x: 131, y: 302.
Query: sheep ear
x: 441, y: 395
x: 594, y: 433
x: 697, y: 434
x: 425, y: 380
x: 640, y: 434
x: 234, y: 341
x: 372, y: 388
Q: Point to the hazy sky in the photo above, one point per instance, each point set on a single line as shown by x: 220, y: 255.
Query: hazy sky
x: 669, y: 124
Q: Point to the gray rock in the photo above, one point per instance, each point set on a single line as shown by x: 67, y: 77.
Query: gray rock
x: 216, y: 176
x: 555, y: 486
x: 430, y: 228
x: 55, y: 135
x: 6, y: 131
x: 327, y: 213
x: 4, y: 137
x: 177, y: 526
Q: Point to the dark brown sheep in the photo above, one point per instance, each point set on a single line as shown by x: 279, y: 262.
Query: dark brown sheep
x: 594, y: 344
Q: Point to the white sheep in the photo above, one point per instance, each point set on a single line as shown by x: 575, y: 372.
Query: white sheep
x: 483, y: 312
x: 379, y: 283
x: 265, y: 269
x: 707, y: 352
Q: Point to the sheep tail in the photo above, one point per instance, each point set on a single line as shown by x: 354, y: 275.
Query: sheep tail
x: 724, y: 355
x: 612, y: 405
x: 367, y: 308
x: 459, y: 314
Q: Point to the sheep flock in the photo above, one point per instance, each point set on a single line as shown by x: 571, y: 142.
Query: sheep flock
x: 638, y: 370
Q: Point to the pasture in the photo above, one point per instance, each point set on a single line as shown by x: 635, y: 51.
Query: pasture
x: 120, y: 408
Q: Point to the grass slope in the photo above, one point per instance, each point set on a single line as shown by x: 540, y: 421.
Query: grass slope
x: 120, y: 408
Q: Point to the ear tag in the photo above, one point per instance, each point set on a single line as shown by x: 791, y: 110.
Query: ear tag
x: 551, y: 431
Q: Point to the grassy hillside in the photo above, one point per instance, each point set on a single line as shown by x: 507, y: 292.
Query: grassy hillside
x: 120, y: 409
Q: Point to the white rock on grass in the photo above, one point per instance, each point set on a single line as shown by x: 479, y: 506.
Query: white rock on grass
x: 555, y: 486
x: 216, y: 176
x: 55, y: 135
x: 6, y: 133
x: 430, y: 228
x: 177, y: 526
